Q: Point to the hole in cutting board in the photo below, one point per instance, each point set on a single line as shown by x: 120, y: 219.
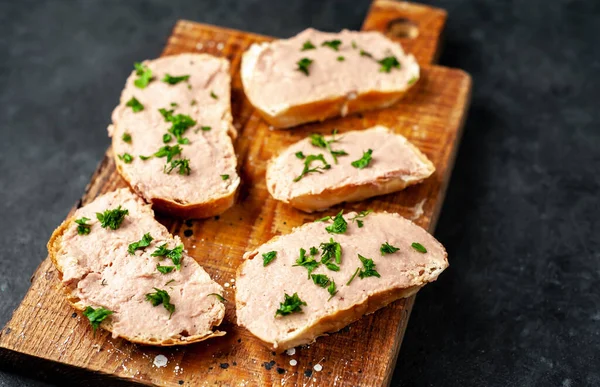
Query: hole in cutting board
x: 403, y: 28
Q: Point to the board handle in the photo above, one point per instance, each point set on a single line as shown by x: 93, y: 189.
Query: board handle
x: 417, y: 27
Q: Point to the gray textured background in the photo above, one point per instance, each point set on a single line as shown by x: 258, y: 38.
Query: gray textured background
x: 520, y: 304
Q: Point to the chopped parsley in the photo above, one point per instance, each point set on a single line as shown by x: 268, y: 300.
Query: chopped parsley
x: 135, y: 105
x: 174, y: 104
x: 126, y: 137
x: 339, y: 225
x: 353, y: 275
x: 213, y: 95
x: 219, y: 297
x: 300, y: 155
x: 161, y: 297
x: 141, y: 244
x: 225, y: 177
x: 180, y: 123
x: 96, y: 316
x: 269, y: 257
x: 365, y: 53
x: 308, y: 46
x: 314, y: 251
x: 368, y: 268
x: 333, y: 44
x: 364, y: 161
x: 164, y: 269
x: 341, y: 59
x: 332, y: 289
x: 361, y: 214
x: 331, y: 250
x: 303, y: 65
x: 193, y: 102
x: 412, y: 80
x: 126, y: 158
x: 354, y: 45
x: 386, y: 248
x: 291, y: 304
x: 320, y: 280
x: 318, y: 140
x: 205, y: 128
x: 82, y: 227
x: 112, y: 218
x: 171, y: 80
x: 144, y: 75
x: 309, y: 263
x: 182, y: 165
x: 168, y: 151
x: 167, y: 138
x: 419, y: 247
x: 173, y: 254
x: 307, y: 166
x: 388, y: 63
x: 170, y: 281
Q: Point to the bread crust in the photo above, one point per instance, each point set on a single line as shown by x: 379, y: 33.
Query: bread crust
x: 54, y: 246
x: 353, y: 192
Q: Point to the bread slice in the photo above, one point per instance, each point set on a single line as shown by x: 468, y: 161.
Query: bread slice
x: 97, y: 270
x: 204, y: 101
x: 260, y: 289
x: 395, y: 164
x: 350, y: 72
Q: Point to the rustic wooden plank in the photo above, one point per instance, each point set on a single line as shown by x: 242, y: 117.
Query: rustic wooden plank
x: 44, y: 328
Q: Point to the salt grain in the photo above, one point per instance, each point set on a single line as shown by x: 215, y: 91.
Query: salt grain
x: 226, y: 284
x: 293, y: 362
x: 160, y: 361
x: 318, y: 367
x: 291, y: 351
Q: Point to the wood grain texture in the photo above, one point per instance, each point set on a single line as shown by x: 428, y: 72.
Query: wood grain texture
x: 46, y: 332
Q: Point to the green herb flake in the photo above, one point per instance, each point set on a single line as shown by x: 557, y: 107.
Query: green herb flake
x: 174, y: 104
x: 169, y: 282
x: 135, y: 105
x: 412, y: 80
x: 331, y: 251
x: 269, y: 257
x: 213, y: 95
x: 369, y: 268
x: 171, y: 80
x: 353, y: 275
x: 112, y: 218
x: 182, y: 166
x: 300, y: 155
x: 126, y: 158
x: 314, y: 251
x: 180, y: 123
x: 144, y: 75
x: 307, y: 166
x: 323, y: 219
x: 333, y: 44
x: 332, y: 289
x: 386, y: 248
x: 332, y: 266
x: 82, y: 227
x: 168, y: 151
x: 173, y: 254
x: 341, y: 59
x: 219, y: 297
x: 309, y: 263
x: 194, y: 102
x: 320, y: 280
x: 319, y: 141
x: 96, y: 316
x: 339, y: 225
x: 291, y: 304
x: 303, y: 65
x: 388, y: 63
x: 361, y: 214
x: 126, y: 138
x: 354, y: 45
x: 365, y: 53
x: 308, y: 46
x: 205, y: 128
x: 419, y: 247
x: 161, y: 297
x: 364, y: 161
x: 167, y: 138
x: 141, y: 244
x: 164, y: 269
x: 224, y: 177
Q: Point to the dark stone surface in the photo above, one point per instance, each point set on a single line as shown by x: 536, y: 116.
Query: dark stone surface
x: 520, y: 303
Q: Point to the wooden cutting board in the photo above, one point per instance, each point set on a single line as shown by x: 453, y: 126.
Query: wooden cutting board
x: 46, y: 337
